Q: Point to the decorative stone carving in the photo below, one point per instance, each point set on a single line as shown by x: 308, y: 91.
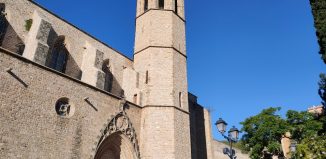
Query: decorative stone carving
x: 64, y: 109
x: 121, y: 123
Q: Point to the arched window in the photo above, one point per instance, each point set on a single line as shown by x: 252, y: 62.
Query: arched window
x: 106, y: 68
x: 176, y: 6
x: 145, y: 5
x: 161, y: 4
x: 59, y: 55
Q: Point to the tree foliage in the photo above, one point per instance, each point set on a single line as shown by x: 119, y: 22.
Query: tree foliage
x: 312, y: 148
x: 322, y: 88
x: 263, y: 133
x: 264, y: 130
x: 319, y: 13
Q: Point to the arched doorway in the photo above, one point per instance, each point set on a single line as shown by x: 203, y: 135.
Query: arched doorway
x: 118, y: 138
x: 116, y: 146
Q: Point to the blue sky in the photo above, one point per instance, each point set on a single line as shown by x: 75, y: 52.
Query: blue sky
x: 243, y: 56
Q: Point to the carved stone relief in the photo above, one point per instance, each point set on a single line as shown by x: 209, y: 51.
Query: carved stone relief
x: 121, y: 123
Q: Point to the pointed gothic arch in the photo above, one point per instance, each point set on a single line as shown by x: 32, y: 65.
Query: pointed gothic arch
x: 116, y: 146
x: 59, y: 55
x: 118, y: 139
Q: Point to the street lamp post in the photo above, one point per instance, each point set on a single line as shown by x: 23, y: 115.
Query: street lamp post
x: 232, y: 137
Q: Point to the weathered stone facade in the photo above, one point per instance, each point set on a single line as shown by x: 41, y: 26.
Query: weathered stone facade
x: 65, y: 94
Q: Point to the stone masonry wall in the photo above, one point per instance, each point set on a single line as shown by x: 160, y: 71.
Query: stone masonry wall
x: 30, y: 126
x: 218, y: 151
x: 77, y: 42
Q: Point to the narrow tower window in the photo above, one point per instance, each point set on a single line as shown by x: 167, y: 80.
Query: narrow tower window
x: 146, y: 5
x: 180, y: 99
x: 161, y: 4
x: 146, y: 78
x: 135, y: 98
x: 176, y: 6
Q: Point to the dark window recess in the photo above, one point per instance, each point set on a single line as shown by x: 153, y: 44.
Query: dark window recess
x: 146, y: 5
x: 146, y: 78
x: 59, y: 55
x: 161, y: 4
x: 176, y: 6
x: 135, y: 99
x: 180, y: 99
x: 3, y: 23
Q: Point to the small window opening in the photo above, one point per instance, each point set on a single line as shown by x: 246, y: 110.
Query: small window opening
x: 180, y: 99
x: 135, y: 98
x: 146, y: 5
x: 176, y: 6
x: 146, y: 78
x: 161, y: 4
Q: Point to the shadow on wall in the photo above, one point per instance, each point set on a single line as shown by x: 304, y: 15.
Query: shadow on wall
x: 197, y: 129
x: 8, y: 36
x: 59, y: 57
x: 111, y: 84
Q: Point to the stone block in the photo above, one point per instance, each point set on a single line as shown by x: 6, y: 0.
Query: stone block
x: 100, y: 80
x: 43, y: 31
x: 98, y: 59
x: 41, y: 53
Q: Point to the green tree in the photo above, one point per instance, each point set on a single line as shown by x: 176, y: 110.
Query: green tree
x: 322, y: 88
x: 303, y: 124
x: 308, y: 130
x: 312, y: 148
x: 319, y: 13
x: 264, y: 131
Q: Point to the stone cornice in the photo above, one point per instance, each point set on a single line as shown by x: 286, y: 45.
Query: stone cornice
x: 167, y: 10
x: 166, y: 47
x: 165, y: 106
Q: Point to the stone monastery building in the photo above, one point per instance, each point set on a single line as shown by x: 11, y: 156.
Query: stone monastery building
x: 65, y: 94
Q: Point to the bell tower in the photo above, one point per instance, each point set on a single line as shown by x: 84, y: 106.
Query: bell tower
x: 161, y: 61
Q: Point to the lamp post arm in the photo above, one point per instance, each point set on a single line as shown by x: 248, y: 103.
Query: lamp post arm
x: 230, y: 140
